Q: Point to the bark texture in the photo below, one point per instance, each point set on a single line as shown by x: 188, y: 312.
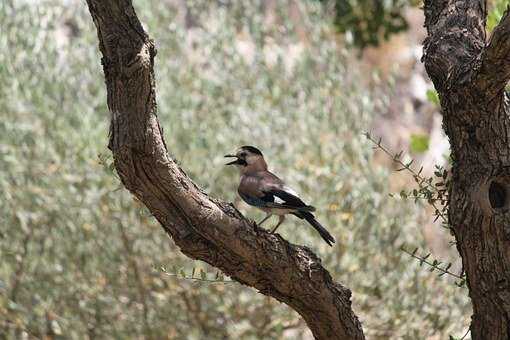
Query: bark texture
x: 204, y: 228
x: 470, y: 75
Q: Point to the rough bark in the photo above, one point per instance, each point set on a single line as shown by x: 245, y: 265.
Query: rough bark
x: 470, y: 76
x: 204, y: 228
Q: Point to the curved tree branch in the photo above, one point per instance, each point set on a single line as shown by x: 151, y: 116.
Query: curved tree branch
x: 203, y: 228
x: 470, y: 78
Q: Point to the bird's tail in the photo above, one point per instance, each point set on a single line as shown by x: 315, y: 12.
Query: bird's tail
x: 314, y: 223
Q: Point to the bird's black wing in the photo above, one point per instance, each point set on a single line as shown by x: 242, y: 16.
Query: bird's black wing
x: 265, y: 190
x: 280, y: 195
x: 286, y: 198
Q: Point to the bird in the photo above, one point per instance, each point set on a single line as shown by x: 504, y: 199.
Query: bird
x: 264, y: 190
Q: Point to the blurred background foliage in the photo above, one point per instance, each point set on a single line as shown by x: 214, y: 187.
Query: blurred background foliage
x: 80, y: 258
x: 368, y: 22
x: 497, y: 8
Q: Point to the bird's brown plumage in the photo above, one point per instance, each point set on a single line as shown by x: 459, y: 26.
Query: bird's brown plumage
x: 262, y: 189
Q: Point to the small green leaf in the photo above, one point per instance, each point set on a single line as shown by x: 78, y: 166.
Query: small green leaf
x: 419, y: 143
x: 433, y: 97
x: 495, y: 15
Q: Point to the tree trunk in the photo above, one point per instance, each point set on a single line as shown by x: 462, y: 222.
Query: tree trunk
x: 204, y: 228
x: 470, y: 76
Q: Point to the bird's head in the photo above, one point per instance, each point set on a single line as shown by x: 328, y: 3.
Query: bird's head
x: 247, y: 159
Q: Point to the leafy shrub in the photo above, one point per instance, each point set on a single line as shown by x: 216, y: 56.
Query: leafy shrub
x: 369, y: 22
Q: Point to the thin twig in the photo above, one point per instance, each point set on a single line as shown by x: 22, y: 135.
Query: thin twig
x: 199, y: 279
x: 418, y: 178
x: 435, y: 266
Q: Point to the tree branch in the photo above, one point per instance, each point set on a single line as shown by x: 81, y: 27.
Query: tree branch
x: 203, y: 228
x: 495, y: 71
x: 456, y: 37
x: 470, y: 78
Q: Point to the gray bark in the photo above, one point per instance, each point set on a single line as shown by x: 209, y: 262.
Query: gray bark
x: 470, y: 76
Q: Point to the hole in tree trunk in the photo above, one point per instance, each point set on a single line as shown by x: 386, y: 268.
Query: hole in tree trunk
x: 497, y: 195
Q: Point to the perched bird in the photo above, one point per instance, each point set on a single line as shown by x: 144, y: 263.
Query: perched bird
x: 262, y: 189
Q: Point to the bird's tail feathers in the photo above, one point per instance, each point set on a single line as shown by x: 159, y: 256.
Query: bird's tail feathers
x: 317, y: 226
x: 308, y: 208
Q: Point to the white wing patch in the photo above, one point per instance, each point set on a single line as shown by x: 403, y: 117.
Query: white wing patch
x: 290, y: 191
x: 278, y: 200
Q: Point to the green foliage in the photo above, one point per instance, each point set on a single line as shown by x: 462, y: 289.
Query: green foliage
x: 436, y: 265
x: 419, y: 143
x: 434, y: 191
x: 81, y: 257
x: 368, y: 22
x: 433, y: 97
x: 496, y: 13
x: 202, y: 276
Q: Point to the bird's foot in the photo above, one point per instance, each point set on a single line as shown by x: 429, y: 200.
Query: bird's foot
x: 273, y: 231
x: 281, y: 219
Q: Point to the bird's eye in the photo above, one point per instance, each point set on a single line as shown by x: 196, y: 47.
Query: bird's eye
x: 242, y: 154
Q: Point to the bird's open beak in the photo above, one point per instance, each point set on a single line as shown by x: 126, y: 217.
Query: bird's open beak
x: 236, y: 161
